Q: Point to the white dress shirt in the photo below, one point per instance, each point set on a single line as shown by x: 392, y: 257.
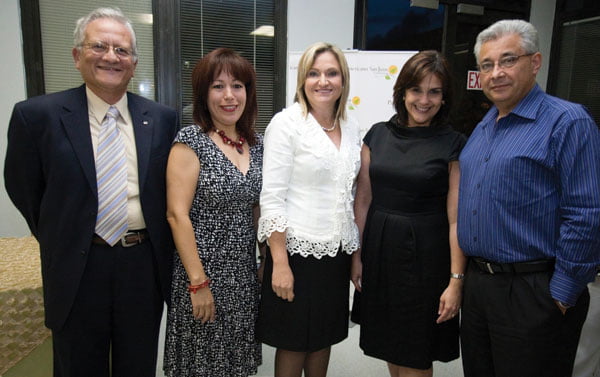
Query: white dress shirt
x: 308, y: 185
x: 97, y: 109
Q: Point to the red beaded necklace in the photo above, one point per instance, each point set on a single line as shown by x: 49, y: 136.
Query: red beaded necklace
x: 237, y: 144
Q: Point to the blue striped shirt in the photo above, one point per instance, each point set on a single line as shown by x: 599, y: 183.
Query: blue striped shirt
x: 530, y: 189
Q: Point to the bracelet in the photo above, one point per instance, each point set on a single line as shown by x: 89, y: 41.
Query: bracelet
x: 457, y: 276
x: 195, y: 288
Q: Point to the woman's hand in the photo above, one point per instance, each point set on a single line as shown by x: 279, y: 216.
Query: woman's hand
x: 282, y: 281
x: 356, y: 271
x: 203, y: 305
x: 451, y: 298
x: 450, y: 301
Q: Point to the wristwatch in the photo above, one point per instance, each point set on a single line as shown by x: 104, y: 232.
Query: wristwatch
x: 457, y: 276
x: 563, y: 305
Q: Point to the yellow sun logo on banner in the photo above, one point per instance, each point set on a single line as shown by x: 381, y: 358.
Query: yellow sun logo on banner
x: 392, y: 70
x: 354, y: 102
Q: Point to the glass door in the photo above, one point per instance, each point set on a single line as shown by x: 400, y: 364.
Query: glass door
x: 461, y: 30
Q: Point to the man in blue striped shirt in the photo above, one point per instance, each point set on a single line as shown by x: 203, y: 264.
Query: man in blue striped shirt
x: 528, y: 217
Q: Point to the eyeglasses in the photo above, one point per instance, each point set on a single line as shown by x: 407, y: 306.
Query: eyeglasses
x: 101, y: 48
x: 504, y: 62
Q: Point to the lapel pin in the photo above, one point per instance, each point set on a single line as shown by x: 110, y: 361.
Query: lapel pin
x: 145, y: 123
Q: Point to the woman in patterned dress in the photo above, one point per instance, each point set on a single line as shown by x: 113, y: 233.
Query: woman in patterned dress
x: 213, y: 185
x: 311, y: 162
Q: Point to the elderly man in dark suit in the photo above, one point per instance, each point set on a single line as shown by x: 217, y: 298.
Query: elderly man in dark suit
x: 86, y: 168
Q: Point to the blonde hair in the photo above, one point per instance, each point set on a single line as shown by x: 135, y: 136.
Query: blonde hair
x: 304, y: 66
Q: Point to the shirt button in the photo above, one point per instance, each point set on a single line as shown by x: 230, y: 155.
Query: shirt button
x: 474, y: 239
x: 479, y: 185
x: 474, y: 211
x: 486, y: 159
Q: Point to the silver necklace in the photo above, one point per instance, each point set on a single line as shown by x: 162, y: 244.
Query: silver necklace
x: 330, y: 128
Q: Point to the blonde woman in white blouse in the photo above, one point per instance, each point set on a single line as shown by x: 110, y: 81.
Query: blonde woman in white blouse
x: 311, y: 160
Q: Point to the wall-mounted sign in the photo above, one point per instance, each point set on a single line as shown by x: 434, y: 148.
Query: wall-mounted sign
x: 473, y: 80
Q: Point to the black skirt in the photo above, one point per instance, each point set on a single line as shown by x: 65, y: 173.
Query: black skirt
x: 318, y: 316
x: 406, y: 263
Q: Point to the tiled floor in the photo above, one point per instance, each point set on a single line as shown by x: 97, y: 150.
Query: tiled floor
x: 347, y: 360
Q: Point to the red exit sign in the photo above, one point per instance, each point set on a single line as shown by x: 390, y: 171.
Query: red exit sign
x: 473, y: 82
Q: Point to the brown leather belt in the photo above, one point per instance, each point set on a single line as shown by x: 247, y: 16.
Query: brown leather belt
x: 129, y: 239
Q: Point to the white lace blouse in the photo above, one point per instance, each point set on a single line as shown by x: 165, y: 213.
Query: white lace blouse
x: 308, y: 185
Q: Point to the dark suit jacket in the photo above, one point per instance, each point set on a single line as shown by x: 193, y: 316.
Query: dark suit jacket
x: 50, y: 176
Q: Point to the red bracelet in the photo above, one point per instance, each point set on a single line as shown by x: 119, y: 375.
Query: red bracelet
x: 195, y: 288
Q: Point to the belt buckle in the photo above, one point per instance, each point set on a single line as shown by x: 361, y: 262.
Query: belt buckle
x: 489, y: 268
x: 125, y: 243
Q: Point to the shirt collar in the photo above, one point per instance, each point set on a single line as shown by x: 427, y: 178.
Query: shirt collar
x: 98, y: 108
x: 526, y: 108
x: 490, y: 117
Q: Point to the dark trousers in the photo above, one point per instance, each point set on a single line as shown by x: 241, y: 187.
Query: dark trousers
x: 115, y: 320
x: 511, y: 326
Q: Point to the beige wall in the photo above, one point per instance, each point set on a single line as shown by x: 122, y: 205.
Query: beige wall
x: 542, y: 17
x: 311, y: 21
x: 12, y: 90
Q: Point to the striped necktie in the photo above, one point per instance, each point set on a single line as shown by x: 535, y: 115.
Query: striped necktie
x: 111, y: 178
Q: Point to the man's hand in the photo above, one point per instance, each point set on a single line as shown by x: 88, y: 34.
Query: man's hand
x: 563, y: 308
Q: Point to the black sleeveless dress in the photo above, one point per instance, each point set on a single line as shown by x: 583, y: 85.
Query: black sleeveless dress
x: 405, y: 250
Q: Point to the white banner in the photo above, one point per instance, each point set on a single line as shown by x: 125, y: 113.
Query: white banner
x: 372, y: 78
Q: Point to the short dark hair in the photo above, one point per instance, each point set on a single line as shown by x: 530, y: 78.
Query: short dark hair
x: 206, y: 71
x: 412, y: 73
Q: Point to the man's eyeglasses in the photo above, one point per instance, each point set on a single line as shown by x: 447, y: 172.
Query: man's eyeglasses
x: 504, y: 62
x: 101, y: 48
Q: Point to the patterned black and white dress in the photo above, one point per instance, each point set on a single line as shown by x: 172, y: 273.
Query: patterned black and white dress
x: 221, y: 214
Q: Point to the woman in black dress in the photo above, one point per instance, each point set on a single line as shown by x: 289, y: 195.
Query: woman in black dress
x: 410, y: 268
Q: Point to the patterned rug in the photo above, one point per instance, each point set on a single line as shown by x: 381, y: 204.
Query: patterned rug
x: 21, y: 302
